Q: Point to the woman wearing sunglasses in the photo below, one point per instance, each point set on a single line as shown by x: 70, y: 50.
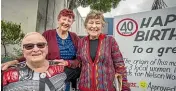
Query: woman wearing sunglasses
x: 62, y: 45
x: 36, y: 73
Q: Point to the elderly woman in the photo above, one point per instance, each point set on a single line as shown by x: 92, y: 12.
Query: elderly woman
x: 36, y: 73
x: 62, y: 45
x: 100, y: 57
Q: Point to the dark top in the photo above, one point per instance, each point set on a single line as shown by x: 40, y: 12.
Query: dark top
x: 93, y: 48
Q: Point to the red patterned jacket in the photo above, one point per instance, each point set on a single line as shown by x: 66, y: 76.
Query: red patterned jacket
x: 21, y: 73
x: 98, y: 75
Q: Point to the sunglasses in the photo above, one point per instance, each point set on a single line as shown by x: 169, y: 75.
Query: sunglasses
x: 30, y: 46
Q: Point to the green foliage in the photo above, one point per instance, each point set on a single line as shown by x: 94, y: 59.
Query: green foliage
x: 101, y: 5
x: 18, y: 52
x: 11, y: 33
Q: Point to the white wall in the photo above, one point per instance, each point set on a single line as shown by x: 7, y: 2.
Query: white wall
x: 78, y: 25
x: 20, y: 11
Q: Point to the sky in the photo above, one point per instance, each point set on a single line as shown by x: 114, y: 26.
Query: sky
x: 128, y: 7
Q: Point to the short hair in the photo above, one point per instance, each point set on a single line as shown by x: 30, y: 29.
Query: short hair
x: 94, y: 15
x: 66, y: 12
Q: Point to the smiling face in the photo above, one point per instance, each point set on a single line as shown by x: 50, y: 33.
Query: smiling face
x: 65, y: 19
x: 94, y: 24
x: 94, y: 27
x: 65, y: 23
x: 143, y: 84
x: 34, y: 47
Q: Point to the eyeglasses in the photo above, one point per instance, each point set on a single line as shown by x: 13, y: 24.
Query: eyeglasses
x: 30, y: 46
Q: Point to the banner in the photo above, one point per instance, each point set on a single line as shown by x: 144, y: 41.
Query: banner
x: 147, y: 41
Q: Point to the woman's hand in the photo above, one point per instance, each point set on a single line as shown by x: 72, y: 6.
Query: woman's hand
x: 61, y: 62
x: 4, y: 66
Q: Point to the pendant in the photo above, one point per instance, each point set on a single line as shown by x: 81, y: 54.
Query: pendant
x: 42, y: 75
x: 62, y: 42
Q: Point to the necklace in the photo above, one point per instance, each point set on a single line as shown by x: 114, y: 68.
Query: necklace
x: 62, y: 37
x: 63, y: 41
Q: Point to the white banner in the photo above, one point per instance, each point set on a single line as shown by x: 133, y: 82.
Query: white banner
x: 147, y: 41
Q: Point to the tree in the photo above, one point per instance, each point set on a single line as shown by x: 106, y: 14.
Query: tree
x: 101, y: 5
x: 11, y: 33
x: 158, y: 4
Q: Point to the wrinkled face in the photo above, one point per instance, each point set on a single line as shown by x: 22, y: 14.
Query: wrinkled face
x: 94, y: 27
x: 65, y: 23
x: 35, y: 48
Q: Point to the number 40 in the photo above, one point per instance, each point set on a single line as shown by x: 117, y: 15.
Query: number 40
x: 127, y: 26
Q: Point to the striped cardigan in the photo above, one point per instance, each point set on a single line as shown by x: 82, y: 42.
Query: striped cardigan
x: 99, y: 75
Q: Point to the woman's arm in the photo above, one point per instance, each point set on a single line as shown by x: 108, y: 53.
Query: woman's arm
x: 5, y: 65
x: 68, y: 63
x: 119, y: 64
